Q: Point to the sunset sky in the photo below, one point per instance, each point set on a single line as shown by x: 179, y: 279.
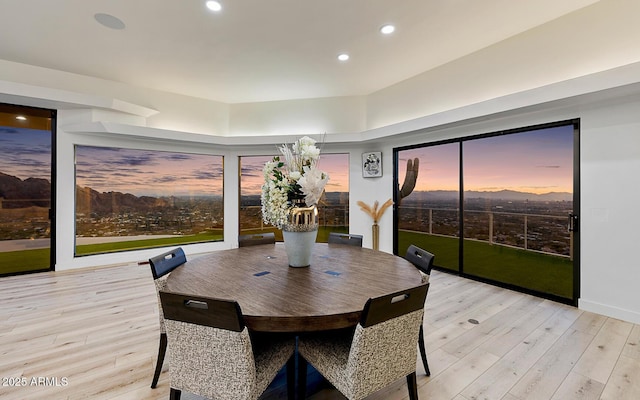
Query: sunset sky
x: 150, y: 173
x: 336, y: 165
x: 157, y: 173
x: 534, y: 161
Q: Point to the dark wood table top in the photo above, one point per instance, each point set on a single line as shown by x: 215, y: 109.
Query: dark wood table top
x: 274, y: 297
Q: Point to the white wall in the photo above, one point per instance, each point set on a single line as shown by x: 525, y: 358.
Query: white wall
x: 370, y: 190
x: 610, y: 217
x: 299, y: 117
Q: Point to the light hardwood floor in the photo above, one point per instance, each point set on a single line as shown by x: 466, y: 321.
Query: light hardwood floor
x: 93, y: 334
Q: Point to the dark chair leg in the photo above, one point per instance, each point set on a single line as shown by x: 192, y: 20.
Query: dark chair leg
x: 412, y: 385
x: 302, y: 378
x: 423, y: 352
x: 291, y: 378
x: 162, y: 349
x: 175, y: 394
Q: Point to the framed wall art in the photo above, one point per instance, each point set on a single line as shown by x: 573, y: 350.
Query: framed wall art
x: 372, y: 164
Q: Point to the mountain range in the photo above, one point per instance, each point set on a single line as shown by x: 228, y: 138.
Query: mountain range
x: 510, y: 195
x: 12, y: 187
x: 106, y: 203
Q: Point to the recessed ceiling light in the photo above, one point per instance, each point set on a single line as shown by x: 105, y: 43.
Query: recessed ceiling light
x: 109, y: 21
x: 21, y: 118
x: 214, y: 5
x: 387, y: 29
x: 343, y: 57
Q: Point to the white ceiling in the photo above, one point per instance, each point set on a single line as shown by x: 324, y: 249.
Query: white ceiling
x: 261, y: 50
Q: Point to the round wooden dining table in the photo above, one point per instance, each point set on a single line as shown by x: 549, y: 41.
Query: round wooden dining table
x: 329, y: 294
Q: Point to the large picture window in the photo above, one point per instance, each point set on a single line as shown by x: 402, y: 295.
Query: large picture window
x: 130, y: 199
x: 333, y: 207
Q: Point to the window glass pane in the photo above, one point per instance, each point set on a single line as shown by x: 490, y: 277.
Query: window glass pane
x: 25, y: 189
x: 132, y: 199
x: 334, y: 205
x: 518, y: 194
x: 333, y: 208
x: 428, y: 215
x: 250, y: 213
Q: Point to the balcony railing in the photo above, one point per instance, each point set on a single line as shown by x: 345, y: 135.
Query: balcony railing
x: 544, y: 233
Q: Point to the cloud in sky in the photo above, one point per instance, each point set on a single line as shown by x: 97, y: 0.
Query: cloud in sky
x: 148, y: 172
x: 212, y: 172
x: 8, y: 130
x: 26, y: 153
x: 132, y: 160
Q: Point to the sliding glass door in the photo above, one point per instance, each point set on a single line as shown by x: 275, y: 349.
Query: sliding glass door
x: 517, y: 193
x: 26, y: 137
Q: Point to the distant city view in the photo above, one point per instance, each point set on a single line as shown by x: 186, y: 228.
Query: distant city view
x: 333, y: 211
x: 489, y: 216
x: 437, y: 212
x: 524, y: 220
x: 117, y: 214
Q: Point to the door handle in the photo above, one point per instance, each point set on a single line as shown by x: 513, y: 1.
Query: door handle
x: 572, y: 226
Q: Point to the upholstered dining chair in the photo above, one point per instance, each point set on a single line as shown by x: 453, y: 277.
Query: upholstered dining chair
x: 381, y: 350
x: 256, y: 239
x: 423, y: 260
x: 345, y: 238
x: 213, y: 355
x: 161, y: 266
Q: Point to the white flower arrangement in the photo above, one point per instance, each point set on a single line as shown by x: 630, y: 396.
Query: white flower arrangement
x: 295, y: 178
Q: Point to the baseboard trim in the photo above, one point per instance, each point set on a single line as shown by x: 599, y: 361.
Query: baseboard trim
x: 609, y: 311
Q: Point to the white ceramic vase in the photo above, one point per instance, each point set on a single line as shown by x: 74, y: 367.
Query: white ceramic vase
x: 299, y: 247
x: 299, y: 234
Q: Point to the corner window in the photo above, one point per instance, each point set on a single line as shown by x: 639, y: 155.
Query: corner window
x: 333, y: 208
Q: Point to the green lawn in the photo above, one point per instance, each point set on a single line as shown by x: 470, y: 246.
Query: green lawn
x: 88, y: 249
x: 323, y: 232
x: 12, y: 262
x: 38, y: 259
x: 526, y: 269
